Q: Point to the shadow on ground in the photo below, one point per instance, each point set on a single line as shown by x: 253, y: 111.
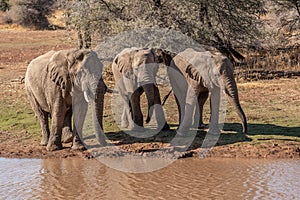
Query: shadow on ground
x: 229, y: 136
x: 266, y: 129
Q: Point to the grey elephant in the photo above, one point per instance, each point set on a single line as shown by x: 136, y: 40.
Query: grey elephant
x: 134, y: 71
x: 193, y: 74
x: 60, y: 82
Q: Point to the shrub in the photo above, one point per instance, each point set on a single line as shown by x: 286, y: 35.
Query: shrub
x: 4, y: 6
x: 31, y: 13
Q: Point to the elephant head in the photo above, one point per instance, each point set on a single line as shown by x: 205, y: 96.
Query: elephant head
x: 163, y: 56
x: 79, y: 75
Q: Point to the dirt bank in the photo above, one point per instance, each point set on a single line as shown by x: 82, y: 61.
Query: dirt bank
x: 22, y: 145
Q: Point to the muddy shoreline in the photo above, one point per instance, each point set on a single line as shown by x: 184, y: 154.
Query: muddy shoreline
x: 23, y: 146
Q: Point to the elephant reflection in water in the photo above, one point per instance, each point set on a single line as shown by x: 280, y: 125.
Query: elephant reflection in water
x: 134, y: 72
x: 193, y: 74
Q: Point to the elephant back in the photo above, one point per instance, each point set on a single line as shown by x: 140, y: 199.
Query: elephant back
x: 201, y: 66
x: 36, y: 67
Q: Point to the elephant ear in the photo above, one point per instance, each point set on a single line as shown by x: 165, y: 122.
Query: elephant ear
x: 168, y: 56
x: 158, y: 55
x: 124, y: 63
x: 61, y: 67
x: 163, y: 56
x: 193, y: 73
x: 76, y: 56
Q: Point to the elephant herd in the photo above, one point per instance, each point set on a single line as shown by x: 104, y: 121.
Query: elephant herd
x: 61, y: 84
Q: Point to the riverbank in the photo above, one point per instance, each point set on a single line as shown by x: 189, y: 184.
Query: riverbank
x: 23, y: 145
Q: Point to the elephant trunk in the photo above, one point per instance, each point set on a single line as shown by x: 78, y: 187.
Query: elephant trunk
x: 149, y: 91
x: 98, y: 105
x: 232, y: 92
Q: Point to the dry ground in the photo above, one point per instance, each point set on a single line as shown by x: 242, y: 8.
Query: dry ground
x: 272, y: 108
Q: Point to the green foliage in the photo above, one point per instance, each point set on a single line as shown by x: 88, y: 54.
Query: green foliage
x: 31, y: 13
x: 212, y: 22
x: 4, y: 6
x: 288, y: 20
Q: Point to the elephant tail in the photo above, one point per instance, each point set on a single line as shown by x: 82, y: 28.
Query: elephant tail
x: 166, y: 97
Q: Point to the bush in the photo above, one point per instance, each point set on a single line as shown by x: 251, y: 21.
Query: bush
x: 4, y: 6
x: 31, y: 13
x: 6, y: 18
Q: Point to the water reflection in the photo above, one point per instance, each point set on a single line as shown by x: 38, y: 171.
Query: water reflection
x: 188, y: 179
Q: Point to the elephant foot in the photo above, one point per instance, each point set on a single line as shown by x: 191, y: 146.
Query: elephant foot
x: 202, y: 126
x: 44, y: 142
x: 77, y: 144
x: 54, y: 143
x: 102, y: 142
x: 182, y: 141
x: 124, y: 124
x: 67, y: 135
x: 45, y: 139
x: 53, y: 147
x: 136, y: 128
x: 185, y: 134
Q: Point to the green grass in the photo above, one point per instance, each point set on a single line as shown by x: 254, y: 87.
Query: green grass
x: 269, y: 118
x: 17, y: 116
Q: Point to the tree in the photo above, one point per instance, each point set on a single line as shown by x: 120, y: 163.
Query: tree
x: 288, y: 15
x: 4, y: 6
x: 31, y: 13
x: 221, y: 23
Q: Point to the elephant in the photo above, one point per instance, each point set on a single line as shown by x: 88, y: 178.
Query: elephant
x: 195, y: 73
x: 59, y: 83
x: 134, y: 71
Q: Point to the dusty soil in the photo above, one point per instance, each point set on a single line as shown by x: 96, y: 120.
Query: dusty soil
x: 23, y: 145
x: 18, y: 47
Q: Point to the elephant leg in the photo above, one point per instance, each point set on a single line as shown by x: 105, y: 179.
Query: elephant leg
x: 43, y: 118
x: 202, y: 97
x: 126, y: 120
x: 190, y: 103
x: 159, y: 113
x: 180, y: 87
x: 80, y: 107
x: 54, y: 142
x: 58, y: 117
x: 136, y: 113
x: 180, y: 109
x: 214, y: 107
x: 67, y: 135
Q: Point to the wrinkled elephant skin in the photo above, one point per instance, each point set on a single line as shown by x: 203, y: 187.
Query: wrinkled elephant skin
x: 60, y: 82
x: 134, y: 72
x: 193, y: 74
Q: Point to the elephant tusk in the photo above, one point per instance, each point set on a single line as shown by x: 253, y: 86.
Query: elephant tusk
x: 86, y: 96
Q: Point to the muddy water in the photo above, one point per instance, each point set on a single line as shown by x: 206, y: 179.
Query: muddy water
x: 183, y: 179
